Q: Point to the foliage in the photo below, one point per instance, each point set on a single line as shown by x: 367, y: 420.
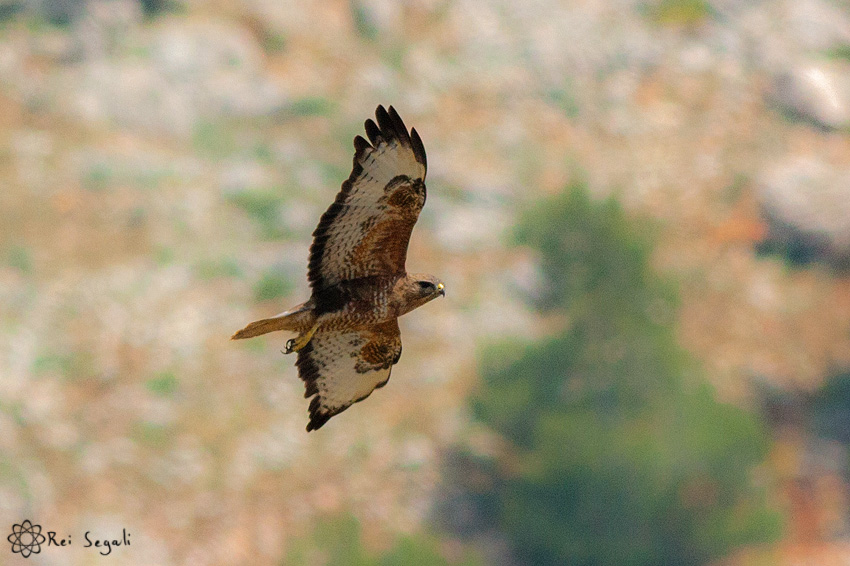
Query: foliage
x: 8, y: 10
x: 263, y: 206
x: 795, y: 249
x: 839, y: 52
x: 564, y: 99
x: 214, y: 140
x: 152, y: 8
x: 311, y: 106
x: 363, y: 21
x: 688, y: 13
x: 164, y: 384
x: 619, y: 453
x: 19, y: 258
x: 338, y: 540
x: 211, y: 268
x: 830, y: 409
x: 272, y: 285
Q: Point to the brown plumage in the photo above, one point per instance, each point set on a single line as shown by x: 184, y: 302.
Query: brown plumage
x: 348, y: 335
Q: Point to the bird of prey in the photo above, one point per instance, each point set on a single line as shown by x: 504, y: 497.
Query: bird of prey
x: 348, y: 337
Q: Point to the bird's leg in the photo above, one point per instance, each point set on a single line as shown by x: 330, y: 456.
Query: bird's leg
x: 293, y: 344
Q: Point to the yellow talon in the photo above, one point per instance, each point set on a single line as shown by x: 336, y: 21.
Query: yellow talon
x: 294, y: 345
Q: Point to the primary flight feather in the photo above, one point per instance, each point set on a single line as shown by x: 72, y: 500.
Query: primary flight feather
x: 348, y: 335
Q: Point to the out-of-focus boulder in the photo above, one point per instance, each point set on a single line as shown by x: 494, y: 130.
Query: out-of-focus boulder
x: 807, y: 205
x: 817, y: 92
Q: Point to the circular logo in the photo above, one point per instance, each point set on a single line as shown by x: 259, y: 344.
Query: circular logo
x: 26, y: 538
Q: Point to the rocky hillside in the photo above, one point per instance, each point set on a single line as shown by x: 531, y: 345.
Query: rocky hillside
x: 163, y: 165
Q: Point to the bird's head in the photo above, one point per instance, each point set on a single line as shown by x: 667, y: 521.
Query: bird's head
x: 417, y: 289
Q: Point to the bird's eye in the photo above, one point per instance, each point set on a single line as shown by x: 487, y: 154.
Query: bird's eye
x: 426, y: 285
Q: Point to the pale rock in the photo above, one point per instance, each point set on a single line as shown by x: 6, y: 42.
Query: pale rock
x: 807, y: 201
x: 816, y: 91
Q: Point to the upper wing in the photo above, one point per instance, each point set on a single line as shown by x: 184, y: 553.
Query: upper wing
x: 343, y: 367
x: 366, y: 230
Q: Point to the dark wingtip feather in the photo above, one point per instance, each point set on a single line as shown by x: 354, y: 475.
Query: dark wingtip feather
x: 372, y: 131
x: 418, y: 148
x: 399, y: 127
x: 317, y: 417
x: 386, y: 124
x: 360, y: 145
x: 389, y: 127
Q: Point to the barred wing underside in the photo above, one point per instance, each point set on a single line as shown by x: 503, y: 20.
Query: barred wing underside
x: 343, y: 367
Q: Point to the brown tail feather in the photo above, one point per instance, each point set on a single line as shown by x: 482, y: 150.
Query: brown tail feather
x: 289, y: 320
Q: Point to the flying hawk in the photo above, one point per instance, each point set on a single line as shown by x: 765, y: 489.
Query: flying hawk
x: 348, y: 335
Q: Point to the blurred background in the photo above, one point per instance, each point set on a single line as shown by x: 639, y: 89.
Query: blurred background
x: 641, y: 209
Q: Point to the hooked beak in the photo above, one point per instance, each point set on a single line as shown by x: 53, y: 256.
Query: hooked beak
x: 441, y: 289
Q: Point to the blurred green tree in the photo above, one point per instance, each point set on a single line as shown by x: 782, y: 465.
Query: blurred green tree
x: 618, y: 451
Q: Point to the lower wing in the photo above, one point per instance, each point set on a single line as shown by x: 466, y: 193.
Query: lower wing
x: 345, y: 366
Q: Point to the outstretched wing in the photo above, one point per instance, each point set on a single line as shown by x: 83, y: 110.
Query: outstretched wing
x: 366, y: 230
x: 343, y: 367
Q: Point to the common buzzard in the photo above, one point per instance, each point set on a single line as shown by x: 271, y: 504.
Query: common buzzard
x: 348, y: 335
